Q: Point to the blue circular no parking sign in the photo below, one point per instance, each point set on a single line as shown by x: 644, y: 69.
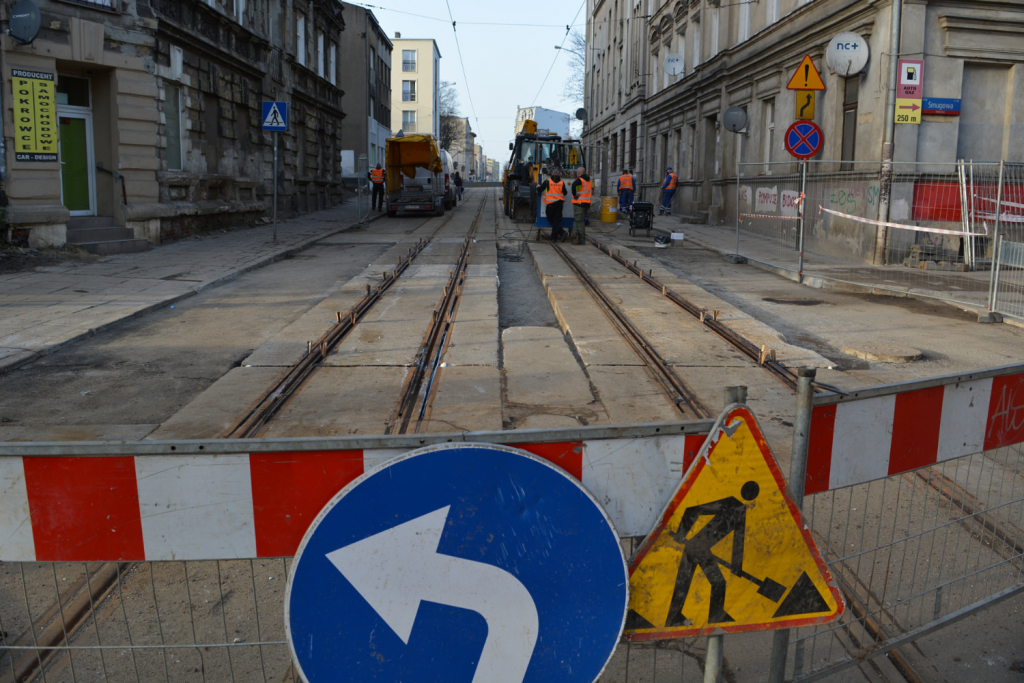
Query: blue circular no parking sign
x: 804, y: 139
x: 465, y: 562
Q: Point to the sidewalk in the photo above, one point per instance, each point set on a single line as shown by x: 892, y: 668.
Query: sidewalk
x: 45, y: 310
x: 825, y: 271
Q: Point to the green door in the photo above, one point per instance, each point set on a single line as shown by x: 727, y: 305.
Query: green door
x: 74, y: 163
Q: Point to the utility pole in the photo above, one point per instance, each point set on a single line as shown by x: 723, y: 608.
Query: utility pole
x: 885, y: 182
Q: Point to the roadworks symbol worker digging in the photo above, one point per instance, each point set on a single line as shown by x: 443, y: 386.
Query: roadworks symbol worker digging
x: 730, y: 552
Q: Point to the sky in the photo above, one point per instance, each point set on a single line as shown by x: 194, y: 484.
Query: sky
x: 505, y: 65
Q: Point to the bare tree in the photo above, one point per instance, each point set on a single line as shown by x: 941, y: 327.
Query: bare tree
x: 573, y: 91
x: 448, y: 105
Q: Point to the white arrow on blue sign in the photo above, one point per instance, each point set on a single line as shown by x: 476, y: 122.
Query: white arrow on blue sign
x: 465, y: 562
x: 275, y: 116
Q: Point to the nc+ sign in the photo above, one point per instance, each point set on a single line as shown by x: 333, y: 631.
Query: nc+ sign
x: 463, y: 563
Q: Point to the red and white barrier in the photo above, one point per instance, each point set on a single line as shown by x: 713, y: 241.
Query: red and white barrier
x: 858, y: 441
x: 228, y: 506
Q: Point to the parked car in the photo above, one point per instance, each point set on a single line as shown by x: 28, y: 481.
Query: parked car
x: 415, y: 175
x: 448, y: 164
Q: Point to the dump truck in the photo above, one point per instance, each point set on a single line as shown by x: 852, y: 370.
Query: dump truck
x: 414, y: 175
x: 535, y: 154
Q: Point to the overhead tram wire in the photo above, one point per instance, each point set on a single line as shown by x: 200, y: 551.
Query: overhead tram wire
x: 568, y: 30
x: 469, y: 93
x: 467, y: 23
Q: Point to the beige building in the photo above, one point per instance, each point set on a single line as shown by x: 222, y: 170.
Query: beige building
x: 743, y: 54
x: 414, y: 89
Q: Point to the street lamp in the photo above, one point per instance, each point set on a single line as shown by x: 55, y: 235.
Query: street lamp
x: 575, y: 52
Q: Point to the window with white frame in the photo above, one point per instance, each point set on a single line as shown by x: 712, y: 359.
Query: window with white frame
x: 172, y: 125
x: 695, y: 31
x: 744, y: 23
x: 408, y: 91
x: 768, y: 137
x: 772, y: 11
x: 408, y: 60
x: 715, y: 16
x: 320, y: 55
x: 300, y: 38
x: 332, y: 65
x: 409, y: 121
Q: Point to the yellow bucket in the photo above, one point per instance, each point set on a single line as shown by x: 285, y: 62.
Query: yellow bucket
x: 609, y: 209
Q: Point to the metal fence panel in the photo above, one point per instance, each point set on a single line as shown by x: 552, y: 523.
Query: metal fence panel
x: 922, y: 526
x: 937, y: 240
x: 203, y: 598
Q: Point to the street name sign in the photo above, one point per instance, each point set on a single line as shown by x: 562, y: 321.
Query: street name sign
x: 730, y: 551
x: 806, y: 76
x: 943, y: 106
x: 275, y: 116
x: 804, y: 139
x: 460, y: 562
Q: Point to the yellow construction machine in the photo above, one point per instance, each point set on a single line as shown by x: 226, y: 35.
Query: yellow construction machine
x: 535, y: 154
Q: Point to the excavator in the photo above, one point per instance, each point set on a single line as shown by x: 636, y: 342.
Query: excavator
x: 535, y: 154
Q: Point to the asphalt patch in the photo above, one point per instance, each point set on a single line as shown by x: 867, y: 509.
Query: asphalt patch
x: 793, y: 302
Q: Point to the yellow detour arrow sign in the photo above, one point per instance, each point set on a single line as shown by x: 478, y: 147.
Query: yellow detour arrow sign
x: 730, y: 552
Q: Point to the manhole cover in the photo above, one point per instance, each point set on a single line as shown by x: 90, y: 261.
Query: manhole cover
x: 887, y: 353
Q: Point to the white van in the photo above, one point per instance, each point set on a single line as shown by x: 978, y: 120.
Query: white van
x: 450, y: 196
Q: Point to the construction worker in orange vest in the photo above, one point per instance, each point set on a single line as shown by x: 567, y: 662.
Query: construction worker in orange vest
x: 552, y: 192
x: 626, y: 188
x: 668, y: 190
x: 376, y: 176
x: 582, y: 192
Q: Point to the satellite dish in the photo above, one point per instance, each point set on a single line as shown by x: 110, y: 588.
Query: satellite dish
x: 735, y: 119
x: 581, y: 114
x: 847, y: 54
x: 674, y: 64
x: 25, y: 21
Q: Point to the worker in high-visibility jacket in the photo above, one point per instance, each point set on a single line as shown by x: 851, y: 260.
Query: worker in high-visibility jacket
x: 668, y: 190
x: 376, y: 176
x: 582, y: 190
x: 626, y: 187
x: 552, y: 193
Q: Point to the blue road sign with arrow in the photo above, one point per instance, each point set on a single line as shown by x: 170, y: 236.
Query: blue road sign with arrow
x: 462, y: 562
x: 275, y: 116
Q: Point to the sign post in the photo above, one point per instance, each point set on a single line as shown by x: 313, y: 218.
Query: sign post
x: 275, y: 118
x: 493, y: 556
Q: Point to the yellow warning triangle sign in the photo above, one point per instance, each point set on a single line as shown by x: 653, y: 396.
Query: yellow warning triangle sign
x: 806, y: 77
x: 730, y: 552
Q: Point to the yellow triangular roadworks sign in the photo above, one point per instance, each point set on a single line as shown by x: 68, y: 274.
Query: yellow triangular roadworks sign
x: 730, y: 551
x: 806, y: 76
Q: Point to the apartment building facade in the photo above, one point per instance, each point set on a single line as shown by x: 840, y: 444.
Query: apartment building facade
x: 366, y: 53
x: 743, y: 55
x: 414, y: 97
x: 159, y: 110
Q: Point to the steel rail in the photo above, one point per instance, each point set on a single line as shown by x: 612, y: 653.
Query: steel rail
x: 271, y: 402
x: 710, y: 320
x: 679, y: 392
x: 420, y: 384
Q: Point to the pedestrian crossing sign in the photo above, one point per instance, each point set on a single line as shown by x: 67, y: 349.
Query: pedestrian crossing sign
x: 275, y: 116
x: 730, y: 552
